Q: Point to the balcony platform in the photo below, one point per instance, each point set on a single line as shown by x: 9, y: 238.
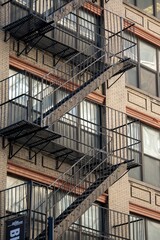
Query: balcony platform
x: 34, y: 31
x: 37, y: 139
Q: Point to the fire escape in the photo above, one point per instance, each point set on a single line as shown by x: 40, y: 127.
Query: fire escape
x: 35, y: 121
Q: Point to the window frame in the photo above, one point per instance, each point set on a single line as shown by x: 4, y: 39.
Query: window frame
x: 133, y: 173
x: 140, y: 66
x: 154, y: 3
x: 146, y: 220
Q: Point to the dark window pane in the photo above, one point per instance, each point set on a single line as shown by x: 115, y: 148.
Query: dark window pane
x: 131, y: 77
x: 148, y: 81
x: 151, y: 171
x: 146, y: 5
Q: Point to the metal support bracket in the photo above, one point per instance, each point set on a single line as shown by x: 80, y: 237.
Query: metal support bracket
x: 11, y: 154
x: 65, y: 155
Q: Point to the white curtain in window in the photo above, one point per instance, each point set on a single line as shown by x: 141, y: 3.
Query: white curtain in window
x: 16, y: 195
x: 148, y: 55
x: 91, y: 219
x: 87, y: 25
x: 153, y: 230
x: 151, y: 142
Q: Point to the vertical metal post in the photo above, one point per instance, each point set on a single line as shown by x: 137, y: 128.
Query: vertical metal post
x: 29, y: 207
x: 30, y: 100
x: 46, y: 216
x: 129, y: 227
x: 121, y: 29
x: 31, y: 6
x: 50, y: 228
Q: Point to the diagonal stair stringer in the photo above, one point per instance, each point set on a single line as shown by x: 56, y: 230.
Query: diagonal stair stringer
x: 86, y: 203
x: 82, y: 92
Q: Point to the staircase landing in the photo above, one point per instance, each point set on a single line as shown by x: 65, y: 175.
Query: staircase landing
x: 36, y: 139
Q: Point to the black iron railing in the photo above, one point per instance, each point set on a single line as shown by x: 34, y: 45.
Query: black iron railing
x: 22, y: 200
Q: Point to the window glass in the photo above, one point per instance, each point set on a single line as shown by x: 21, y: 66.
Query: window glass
x: 149, y: 6
x: 17, y: 194
x: 151, y: 142
x: 158, y: 9
x: 89, y: 111
x: 23, y: 2
x: 87, y: 25
x: 146, y: 5
x: 151, y: 171
x: 89, y: 133
x: 137, y: 229
x: 148, y: 81
x: 153, y: 230
x: 132, y: 1
x: 131, y: 77
x: 130, y: 52
x: 135, y: 173
x: 48, y: 97
x: 148, y: 55
x: 18, y: 85
x: 90, y: 219
x: 146, y: 73
x: 69, y: 21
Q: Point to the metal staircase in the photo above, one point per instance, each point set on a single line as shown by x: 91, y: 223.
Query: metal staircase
x: 91, y: 73
x: 21, y: 201
x: 48, y: 10
x: 30, y: 118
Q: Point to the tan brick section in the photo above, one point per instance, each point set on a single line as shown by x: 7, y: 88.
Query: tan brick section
x: 4, y: 67
x: 3, y: 178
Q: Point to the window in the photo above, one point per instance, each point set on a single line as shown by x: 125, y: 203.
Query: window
x: 150, y: 170
x: 152, y: 229
x: 88, y: 225
x: 151, y: 7
x: 81, y: 127
x: 27, y: 106
x: 146, y: 73
x: 81, y: 23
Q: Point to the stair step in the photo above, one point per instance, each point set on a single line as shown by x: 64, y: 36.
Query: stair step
x: 84, y: 195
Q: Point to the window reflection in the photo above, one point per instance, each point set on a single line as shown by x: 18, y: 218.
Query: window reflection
x: 151, y: 7
x: 131, y: 77
x: 146, y: 73
x: 150, y: 157
x: 146, y: 5
x: 148, y: 55
x: 148, y: 81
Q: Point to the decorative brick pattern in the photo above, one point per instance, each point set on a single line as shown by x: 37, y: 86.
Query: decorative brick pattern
x: 137, y: 100
x: 153, y: 27
x: 141, y: 194
x: 134, y: 17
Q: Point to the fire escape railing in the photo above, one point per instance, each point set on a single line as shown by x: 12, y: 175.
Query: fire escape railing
x: 48, y: 10
x: 73, y: 33
x: 22, y: 200
x: 83, y: 70
x: 87, y: 69
x: 76, y: 132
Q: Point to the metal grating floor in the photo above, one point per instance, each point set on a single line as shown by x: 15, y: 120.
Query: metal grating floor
x: 38, y: 139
